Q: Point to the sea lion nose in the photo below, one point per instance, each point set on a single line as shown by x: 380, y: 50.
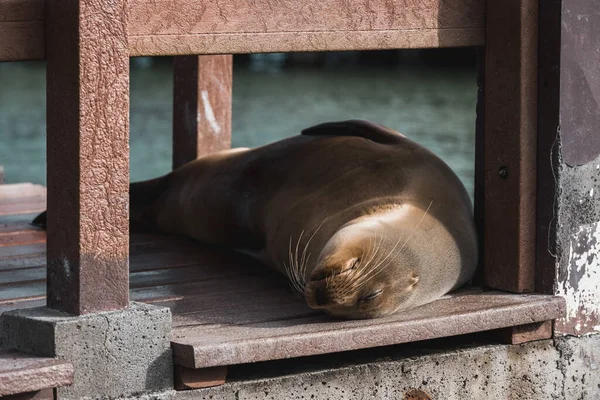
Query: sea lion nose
x: 321, y: 297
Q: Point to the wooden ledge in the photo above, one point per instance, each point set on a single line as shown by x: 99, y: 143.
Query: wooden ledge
x: 203, y: 346
x: 22, y: 373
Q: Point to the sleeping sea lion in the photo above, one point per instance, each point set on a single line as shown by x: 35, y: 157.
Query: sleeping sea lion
x: 363, y: 221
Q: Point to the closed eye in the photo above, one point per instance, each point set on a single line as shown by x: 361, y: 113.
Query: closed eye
x: 372, y: 295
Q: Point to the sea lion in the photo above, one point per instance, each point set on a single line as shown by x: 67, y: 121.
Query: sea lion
x: 363, y: 221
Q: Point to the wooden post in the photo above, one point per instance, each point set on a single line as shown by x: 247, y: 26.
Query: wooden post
x: 88, y: 155
x: 201, y: 106
x: 510, y: 144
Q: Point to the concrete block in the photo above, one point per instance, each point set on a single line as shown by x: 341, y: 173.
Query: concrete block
x: 115, y: 354
x: 580, y: 366
x: 567, y: 369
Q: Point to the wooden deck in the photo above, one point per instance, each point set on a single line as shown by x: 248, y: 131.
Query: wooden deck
x: 229, y: 310
x: 22, y: 373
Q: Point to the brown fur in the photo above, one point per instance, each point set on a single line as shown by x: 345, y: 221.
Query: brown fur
x: 364, y: 221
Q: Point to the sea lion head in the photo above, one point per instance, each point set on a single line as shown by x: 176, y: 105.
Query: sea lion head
x: 364, y: 271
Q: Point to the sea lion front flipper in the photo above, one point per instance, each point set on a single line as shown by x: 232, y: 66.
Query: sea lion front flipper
x: 356, y: 127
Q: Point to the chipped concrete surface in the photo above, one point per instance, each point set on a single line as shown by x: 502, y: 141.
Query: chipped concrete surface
x: 578, y: 247
x: 565, y: 369
x: 581, y: 285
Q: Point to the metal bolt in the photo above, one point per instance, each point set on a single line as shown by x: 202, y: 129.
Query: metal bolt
x: 503, y: 172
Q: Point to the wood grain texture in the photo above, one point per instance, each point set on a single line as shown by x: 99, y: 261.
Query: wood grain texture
x: 188, y: 378
x: 201, y: 106
x: 184, y: 27
x: 228, y: 309
x: 175, y: 17
x: 236, y: 43
x: 205, y: 346
x: 510, y: 145
x: 88, y: 155
x: 46, y: 394
x: 21, y: 198
x: 21, y: 10
x: 20, y: 373
x: 527, y: 333
x: 22, y: 40
x: 22, y: 30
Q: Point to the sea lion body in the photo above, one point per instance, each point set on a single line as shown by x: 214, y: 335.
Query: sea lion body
x: 368, y: 221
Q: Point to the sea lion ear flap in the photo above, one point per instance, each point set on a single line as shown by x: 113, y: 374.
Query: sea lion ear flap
x: 355, y: 127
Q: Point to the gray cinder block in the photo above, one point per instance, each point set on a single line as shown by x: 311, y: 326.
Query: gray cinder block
x: 115, y: 354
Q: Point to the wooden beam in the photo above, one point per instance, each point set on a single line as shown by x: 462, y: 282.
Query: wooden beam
x: 183, y: 27
x: 189, y: 378
x: 201, y: 106
x: 527, y: 333
x: 205, y: 345
x: 22, y: 373
x: 88, y: 155
x: 510, y: 145
x: 190, y: 17
x: 242, y: 43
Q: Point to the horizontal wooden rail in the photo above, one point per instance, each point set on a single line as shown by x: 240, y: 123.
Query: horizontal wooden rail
x: 179, y: 27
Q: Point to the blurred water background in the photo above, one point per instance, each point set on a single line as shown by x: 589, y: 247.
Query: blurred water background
x: 429, y: 96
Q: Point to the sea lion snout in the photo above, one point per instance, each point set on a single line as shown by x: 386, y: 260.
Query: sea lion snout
x: 320, y: 274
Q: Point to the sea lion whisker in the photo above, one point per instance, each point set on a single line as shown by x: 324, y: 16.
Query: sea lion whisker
x: 296, y: 266
x: 375, y: 251
x: 303, y: 261
x: 410, y: 236
x: 369, y: 255
x: 291, y: 270
x: 379, y: 265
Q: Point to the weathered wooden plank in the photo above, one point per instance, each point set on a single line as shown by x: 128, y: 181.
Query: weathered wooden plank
x: 88, y: 155
x: 21, y: 10
x: 21, y: 373
x: 22, y: 41
x: 20, y: 190
x: 174, y: 17
x: 241, y: 43
x: 527, y: 333
x: 201, y: 106
x: 22, y: 250
x: 21, y: 236
x: 29, y: 261
x: 22, y: 275
x: 46, y: 394
x: 23, y: 291
x: 510, y: 145
x: 25, y: 303
x: 27, y: 206
x: 188, y: 378
x: 199, y: 347
x: 189, y: 27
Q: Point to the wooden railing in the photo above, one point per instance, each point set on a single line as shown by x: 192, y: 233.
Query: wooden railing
x: 206, y: 27
x: 87, y: 45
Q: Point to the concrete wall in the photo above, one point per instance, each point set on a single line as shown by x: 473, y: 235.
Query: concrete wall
x: 578, y: 245
x: 569, y: 160
x: 566, y: 369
